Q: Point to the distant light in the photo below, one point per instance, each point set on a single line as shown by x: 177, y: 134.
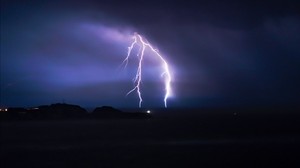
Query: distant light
x: 148, y: 111
x: 3, y: 109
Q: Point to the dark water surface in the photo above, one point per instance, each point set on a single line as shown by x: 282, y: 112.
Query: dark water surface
x: 182, y: 139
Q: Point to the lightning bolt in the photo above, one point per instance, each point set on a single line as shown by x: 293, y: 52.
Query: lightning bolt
x: 138, y: 40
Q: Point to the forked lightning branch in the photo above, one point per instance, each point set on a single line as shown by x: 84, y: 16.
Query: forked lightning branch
x: 140, y: 42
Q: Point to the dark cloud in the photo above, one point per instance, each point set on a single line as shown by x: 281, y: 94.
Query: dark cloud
x: 221, y: 53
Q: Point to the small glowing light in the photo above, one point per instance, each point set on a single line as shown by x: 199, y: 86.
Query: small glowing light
x: 148, y: 111
x: 5, y: 109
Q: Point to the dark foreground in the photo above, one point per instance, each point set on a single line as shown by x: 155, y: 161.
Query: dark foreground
x: 208, y: 139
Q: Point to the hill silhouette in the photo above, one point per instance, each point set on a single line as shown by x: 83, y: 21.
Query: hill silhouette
x: 59, y: 111
x: 110, y: 112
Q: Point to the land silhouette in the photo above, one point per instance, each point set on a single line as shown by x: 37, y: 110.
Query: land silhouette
x: 61, y: 111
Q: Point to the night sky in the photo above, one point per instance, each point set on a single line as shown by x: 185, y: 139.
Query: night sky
x: 221, y: 53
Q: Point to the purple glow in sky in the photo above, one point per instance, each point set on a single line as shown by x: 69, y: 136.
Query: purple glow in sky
x: 72, y: 50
